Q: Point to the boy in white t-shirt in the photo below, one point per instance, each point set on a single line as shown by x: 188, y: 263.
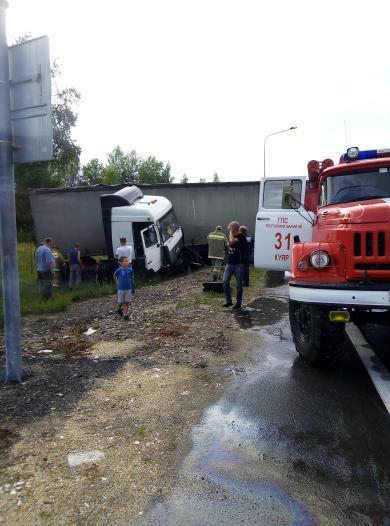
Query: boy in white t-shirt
x: 124, y: 250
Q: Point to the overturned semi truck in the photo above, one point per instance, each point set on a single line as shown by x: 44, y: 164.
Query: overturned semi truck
x: 163, y: 222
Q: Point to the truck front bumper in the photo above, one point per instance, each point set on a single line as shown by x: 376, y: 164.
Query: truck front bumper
x: 341, y: 295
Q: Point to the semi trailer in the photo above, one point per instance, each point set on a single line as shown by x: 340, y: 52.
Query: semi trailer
x: 331, y: 230
x: 162, y: 222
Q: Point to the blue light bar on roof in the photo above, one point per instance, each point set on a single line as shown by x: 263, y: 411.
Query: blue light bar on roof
x: 354, y: 154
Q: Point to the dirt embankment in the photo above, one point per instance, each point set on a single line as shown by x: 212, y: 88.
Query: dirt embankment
x: 128, y: 394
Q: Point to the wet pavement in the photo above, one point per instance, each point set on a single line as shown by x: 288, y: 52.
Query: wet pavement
x: 287, y: 444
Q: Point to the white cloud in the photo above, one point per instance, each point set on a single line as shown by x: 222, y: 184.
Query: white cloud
x: 201, y: 82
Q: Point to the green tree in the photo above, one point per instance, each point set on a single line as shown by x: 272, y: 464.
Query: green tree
x: 93, y: 172
x: 110, y: 176
x: 66, y: 153
x: 126, y: 165
x: 184, y: 179
x: 63, y: 169
x: 23, y: 38
x: 216, y: 178
x: 128, y: 168
x: 153, y: 171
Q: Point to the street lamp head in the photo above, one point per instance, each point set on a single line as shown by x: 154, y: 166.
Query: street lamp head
x: 270, y: 135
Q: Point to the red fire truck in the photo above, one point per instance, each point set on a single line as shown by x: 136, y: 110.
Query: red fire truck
x: 331, y: 230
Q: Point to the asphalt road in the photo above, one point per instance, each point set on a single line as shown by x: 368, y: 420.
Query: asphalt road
x: 379, y: 338
x: 286, y: 444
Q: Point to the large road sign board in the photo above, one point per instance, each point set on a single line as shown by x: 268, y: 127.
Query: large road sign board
x: 30, y: 88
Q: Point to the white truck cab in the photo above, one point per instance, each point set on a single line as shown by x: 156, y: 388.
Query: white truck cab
x: 148, y: 223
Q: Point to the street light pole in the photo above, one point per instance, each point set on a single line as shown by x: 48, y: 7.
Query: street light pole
x: 270, y: 135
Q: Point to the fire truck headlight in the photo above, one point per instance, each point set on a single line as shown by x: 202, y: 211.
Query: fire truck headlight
x: 303, y: 265
x: 319, y: 258
x: 353, y: 153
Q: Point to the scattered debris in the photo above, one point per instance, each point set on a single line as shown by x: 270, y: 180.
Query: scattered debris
x: 90, y: 331
x: 85, y: 457
x: 106, y: 379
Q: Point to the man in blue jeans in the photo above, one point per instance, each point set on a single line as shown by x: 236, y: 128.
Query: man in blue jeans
x: 247, y: 255
x: 234, y: 267
x: 75, y: 266
x: 44, y: 261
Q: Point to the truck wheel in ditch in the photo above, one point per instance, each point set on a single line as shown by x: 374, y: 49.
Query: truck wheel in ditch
x: 318, y: 340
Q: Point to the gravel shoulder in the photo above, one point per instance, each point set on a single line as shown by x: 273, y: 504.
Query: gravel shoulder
x: 130, y: 392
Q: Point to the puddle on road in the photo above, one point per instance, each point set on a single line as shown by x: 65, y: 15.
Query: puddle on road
x: 264, y: 453
x: 229, y: 473
x: 263, y: 311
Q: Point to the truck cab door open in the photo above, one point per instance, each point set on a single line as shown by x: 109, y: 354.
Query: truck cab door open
x: 152, y: 248
x: 276, y: 226
x: 172, y: 247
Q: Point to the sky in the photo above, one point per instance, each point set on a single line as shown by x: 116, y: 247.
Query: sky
x: 200, y: 83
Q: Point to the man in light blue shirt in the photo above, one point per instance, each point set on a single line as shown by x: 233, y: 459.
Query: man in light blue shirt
x: 44, y: 260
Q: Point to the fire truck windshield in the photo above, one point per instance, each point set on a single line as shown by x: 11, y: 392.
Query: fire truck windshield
x: 357, y: 186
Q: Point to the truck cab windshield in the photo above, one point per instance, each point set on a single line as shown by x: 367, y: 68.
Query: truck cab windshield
x: 361, y: 186
x: 169, y: 224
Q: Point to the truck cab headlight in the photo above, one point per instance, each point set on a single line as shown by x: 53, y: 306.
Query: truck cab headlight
x: 319, y: 258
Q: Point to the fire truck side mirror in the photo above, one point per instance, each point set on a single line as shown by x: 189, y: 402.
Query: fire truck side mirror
x: 287, y: 197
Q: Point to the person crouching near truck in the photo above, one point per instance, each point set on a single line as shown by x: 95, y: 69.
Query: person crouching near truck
x: 75, y: 266
x: 45, y: 263
x: 234, y: 267
x: 124, y: 281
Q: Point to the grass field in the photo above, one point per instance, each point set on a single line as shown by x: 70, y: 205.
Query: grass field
x: 30, y: 301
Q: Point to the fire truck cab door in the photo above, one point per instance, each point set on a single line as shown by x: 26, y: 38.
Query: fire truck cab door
x: 276, y: 226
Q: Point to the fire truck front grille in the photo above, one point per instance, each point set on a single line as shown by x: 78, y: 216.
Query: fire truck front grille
x: 372, y: 266
x: 369, y: 244
x: 381, y: 244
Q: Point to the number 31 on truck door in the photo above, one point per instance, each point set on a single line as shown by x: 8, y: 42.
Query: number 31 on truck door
x: 276, y: 226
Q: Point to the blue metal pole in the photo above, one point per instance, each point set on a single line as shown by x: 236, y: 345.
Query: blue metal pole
x: 8, y: 234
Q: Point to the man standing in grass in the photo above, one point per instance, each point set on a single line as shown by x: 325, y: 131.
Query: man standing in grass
x: 124, y: 281
x: 44, y: 261
x: 75, y: 266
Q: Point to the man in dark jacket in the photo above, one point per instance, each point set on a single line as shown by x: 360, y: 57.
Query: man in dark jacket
x: 75, y: 266
x: 247, y: 255
x: 236, y: 249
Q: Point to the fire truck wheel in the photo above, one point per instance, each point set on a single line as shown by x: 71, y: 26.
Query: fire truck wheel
x: 318, y: 340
